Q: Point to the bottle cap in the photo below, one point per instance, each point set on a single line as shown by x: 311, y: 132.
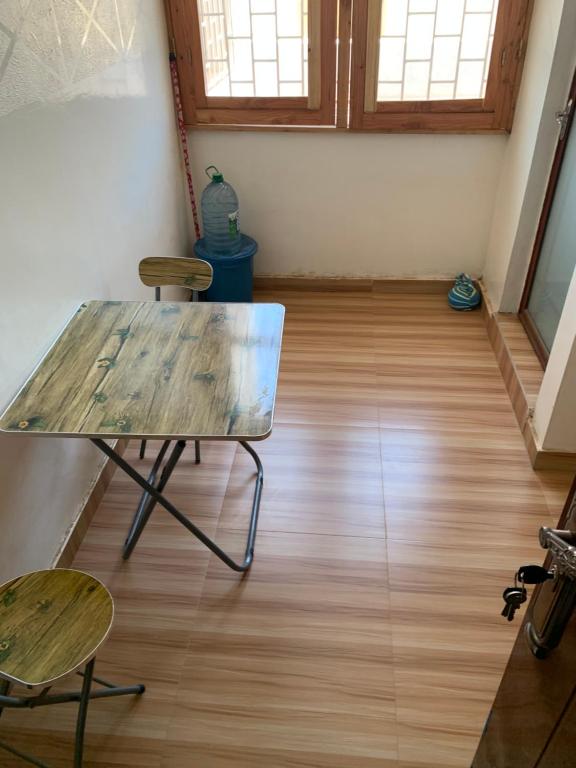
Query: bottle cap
x: 216, y: 176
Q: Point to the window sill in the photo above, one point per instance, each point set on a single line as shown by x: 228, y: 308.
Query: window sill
x: 335, y: 129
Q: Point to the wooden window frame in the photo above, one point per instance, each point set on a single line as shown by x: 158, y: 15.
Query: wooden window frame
x: 492, y: 114
x: 200, y: 110
x: 352, y: 71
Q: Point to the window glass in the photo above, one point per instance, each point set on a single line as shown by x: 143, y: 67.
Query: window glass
x: 254, y: 47
x: 435, y: 49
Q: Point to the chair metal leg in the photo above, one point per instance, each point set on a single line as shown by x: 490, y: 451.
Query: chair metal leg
x: 82, y: 697
x: 197, y: 451
x: 142, y: 449
x: 4, y: 691
x: 22, y: 755
x: 82, y: 714
x: 155, y: 493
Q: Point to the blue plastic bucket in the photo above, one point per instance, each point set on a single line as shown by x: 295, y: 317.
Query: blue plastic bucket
x: 232, y: 274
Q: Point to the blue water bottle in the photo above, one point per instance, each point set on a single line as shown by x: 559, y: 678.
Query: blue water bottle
x: 220, y: 215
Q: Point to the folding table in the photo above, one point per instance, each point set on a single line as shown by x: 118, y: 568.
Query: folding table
x: 159, y: 371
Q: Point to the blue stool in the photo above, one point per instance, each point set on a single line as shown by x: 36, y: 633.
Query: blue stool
x: 232, y: 279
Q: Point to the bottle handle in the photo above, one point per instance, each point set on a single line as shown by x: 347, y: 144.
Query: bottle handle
x: 213, y: 174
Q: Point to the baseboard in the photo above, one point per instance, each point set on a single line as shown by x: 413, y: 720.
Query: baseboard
x: 77, y: 531
x: 542, y: 459
x: 278, y: 283
x: 521, y: 404
x: 361, y: 284
x: 508, y: 369
x: 438, y: 286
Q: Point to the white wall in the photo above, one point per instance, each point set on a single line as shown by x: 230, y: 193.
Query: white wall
x: 90, y: 182
x: 548, y: 72
x: 359, y: 204
x: 550, y: 62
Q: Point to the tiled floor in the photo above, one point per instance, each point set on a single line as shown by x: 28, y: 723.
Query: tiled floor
x: 398, y: 501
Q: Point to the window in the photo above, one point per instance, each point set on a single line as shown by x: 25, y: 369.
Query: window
x: 254, y: 62
x: 445, y: 65
x: 389, y: 65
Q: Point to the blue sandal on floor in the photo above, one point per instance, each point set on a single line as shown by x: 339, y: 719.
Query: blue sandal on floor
x: 464, y: 295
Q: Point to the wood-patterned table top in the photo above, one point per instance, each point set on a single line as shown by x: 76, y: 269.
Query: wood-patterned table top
x: 51, y: 623
x: 156, y: 370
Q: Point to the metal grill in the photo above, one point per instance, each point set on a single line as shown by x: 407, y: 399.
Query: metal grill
x: 255, y: 47
x: 435, y: 49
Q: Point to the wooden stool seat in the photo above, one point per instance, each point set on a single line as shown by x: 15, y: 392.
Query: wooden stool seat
x: 51, y: 624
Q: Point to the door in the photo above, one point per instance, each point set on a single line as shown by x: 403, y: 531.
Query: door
x: 532, y: 723
x: 554, y: 255
x: 560, y: 752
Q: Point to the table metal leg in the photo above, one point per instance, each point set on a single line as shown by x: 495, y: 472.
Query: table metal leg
x: 142, y: 511
x: 147, y: 503
x: 157, y: 496
x: 145, y: 498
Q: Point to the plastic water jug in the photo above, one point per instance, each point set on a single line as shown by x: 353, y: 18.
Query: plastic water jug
x: 220, y: 215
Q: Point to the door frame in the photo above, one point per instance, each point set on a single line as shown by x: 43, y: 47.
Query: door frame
x: 523, y: 314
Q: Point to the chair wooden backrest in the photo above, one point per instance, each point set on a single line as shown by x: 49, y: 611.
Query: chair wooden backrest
x: 193, y: 274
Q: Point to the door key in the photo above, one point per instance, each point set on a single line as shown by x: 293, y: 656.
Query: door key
x: 535, y: 574
x: 513, y: 597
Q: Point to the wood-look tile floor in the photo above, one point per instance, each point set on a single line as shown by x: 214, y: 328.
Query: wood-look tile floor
x: 398, y: 501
